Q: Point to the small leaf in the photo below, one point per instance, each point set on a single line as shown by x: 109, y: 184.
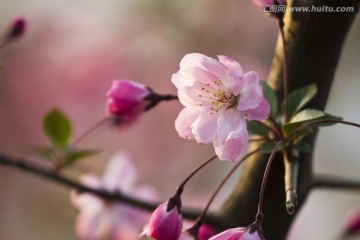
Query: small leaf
x: 329, y: 117
x: 298, y: 98
x: 307, y: 114
x: 57, y: 127
x: 41, y: 151
x: 303, y: 146
x: 256, y: 128
x: 271, y: 98
x: 75, y: 155
x: 301, y: 117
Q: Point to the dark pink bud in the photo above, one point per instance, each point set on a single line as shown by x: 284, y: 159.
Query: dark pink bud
x: 206, y: 232
x: 17, y: 28
x: 127, y: 99
x: 164, y: 224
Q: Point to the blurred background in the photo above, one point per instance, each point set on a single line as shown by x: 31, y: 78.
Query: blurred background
x: 71, y: 52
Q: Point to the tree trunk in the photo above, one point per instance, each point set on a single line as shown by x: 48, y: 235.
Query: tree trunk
x: 314, y: 42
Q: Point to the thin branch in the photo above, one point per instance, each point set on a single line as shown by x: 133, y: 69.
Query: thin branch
x: 49, y: 174
x: 332, y: 182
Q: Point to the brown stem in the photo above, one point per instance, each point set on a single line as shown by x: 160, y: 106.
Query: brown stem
x: 180, y: 188
x: 109, y: 196
x: 266, y: 173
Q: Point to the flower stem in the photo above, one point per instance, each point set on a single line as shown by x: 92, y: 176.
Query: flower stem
x: 285, y: 75
x: 180, y: 188
x: 90, y: 130
x: 203, y: 213
x: 266, y: 173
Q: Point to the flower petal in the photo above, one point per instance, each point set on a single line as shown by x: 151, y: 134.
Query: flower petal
x: 184, y: 121
x: 261, y: 112
x: 93, y: 223
x: 237, y: 76
x: 120, y: 173
x: 251, y: 94
x: 230, y: 234
x: 204, y: 127
x: 232, y: 138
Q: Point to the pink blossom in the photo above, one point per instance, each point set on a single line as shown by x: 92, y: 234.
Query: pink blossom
x: 269, y: 2
x: 99, y: 219
x: 164, y: 224
x: 127, y: 99
x: 239, y: 233
x: 218, y: 99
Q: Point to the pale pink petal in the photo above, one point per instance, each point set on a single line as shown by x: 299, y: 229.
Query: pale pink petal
x: 184, y: 121
x: 236, y: 73
x: 251, y: 94
x: 233, y: 148
x: 204, y: 128
x: 261, y: 112
x: 120, y: 173
x: 195, y: 96
x: 194, y: 64
x: 230, y: 234
x: 230, y: 121
x: 81, y: 199
x: 232, y: 138
x: 250, y: 236
x: 93, y: 223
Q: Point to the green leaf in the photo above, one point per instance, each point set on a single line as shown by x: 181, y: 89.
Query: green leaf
x: 256, y: 128
x: 57, y: 127
x: 306, y: 115
x: 298, y: 98
x: 75, y: 155
x: 271, y: 98
x: 328, y: 117
x: 268, y: 146
x: 303, y: 146
x: 301, y: 117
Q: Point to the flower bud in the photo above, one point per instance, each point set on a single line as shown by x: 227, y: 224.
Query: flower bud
x: 206, y: 232
x: 16, y: 29
x: 165, y: 223
x: 127, y: 99
x: 198, y: 232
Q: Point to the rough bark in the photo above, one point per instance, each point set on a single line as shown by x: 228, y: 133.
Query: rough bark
x: 314, y: 40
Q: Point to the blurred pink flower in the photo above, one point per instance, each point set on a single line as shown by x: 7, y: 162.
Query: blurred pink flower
x: 99, y: 219
x: 218, y: 98
x: 204, y: 233
x: 127, y: 99
x: 164, y: 224
x: 269, y: 2
x: 238, y: 234
x: 353, y: 223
